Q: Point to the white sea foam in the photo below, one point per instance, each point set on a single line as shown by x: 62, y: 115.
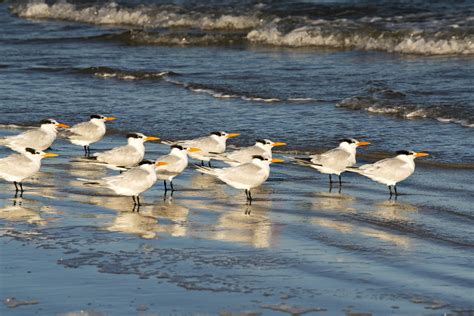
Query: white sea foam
x: 141, y: 16
x: 318, y: 36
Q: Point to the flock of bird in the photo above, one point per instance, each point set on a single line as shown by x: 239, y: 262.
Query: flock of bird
x: 249, y: 167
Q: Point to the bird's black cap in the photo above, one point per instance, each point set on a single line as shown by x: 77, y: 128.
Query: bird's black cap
x: 177, y: 146
x: 347, y: 140
x: 47, y: 121
x: 217, y: 133
x: 403, y: 152
x: 133, y: 135
x: 96, y: 116
x: 145, y: 162
x: 258, y: 157
x: 31, y: 150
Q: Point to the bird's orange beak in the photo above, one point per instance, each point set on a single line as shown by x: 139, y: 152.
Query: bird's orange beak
x: 421, y: 154
x: 363, y: 143
x: 232, y: 135
x: 110, y: 118
x: 62, y: 125
x: 151, y: 138
x: 277, y: 160
x: 47, y: 155
x: 160, y: 163
x: 278, y: 144
x: 193, y: 149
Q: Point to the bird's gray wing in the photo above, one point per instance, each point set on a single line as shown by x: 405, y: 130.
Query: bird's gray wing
x: 245, y: 174
x: 335, y: 158
x: 120, y: 156
x: 174, y: 165
x: 16, y: 164
x: 84, y: 130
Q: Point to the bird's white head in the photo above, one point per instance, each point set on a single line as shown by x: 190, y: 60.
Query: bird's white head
x: 223, y: 135
x: 37, y: 155
x: 139, y: 138
x: 100, y: 118
x: 410, y: 155
x: 264, y: 161
x: 350, y: 144
x: 182, y: 151
x: 268, y: 144
x: 52, y: 125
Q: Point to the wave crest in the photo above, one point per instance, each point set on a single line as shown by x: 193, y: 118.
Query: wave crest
x: 140, y: 16
x: 389, y: 102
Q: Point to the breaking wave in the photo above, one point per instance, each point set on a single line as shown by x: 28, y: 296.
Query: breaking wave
x: 416, y: 33
x: 140, y: 16
x: 390, y: 102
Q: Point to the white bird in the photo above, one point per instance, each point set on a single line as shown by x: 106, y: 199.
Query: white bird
x: 177, y: 161
x: 39, y: 138
x: 125, y: 156
x: 262, y: 147
x: 17, y: 167
x: 390, y: 171
x: 334, y: 161
x: 244, y: 177
x: 86, y: 133
x: 214, y: 143
x: 132, y: 182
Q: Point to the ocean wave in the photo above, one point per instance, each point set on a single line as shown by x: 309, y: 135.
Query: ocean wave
x: 151, y: 16
x: 181, y: 38
x: 363, y: 38
x: 416, y: 33
x: 108, y: 73
x: 389, y: 102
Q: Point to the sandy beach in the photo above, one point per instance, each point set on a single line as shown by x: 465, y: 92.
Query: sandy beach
x: 298, y: 248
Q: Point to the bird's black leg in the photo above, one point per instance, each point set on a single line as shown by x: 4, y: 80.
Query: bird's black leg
x: 250, y: 197
x: 202, y: 163
x: 85, y: 150
x: 390, y: 189
x: 138, y: 200
x: 209, y: 163
x: 21, y: 188
x: 16, y: 187
x: 395, y: 188
x: 340, y: 181
x: 134, y: 202
x: 166, y: 188
x: 171, y: 182
x: 330, y: 179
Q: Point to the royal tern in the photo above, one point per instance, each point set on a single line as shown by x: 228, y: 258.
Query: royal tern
x: 244, y: 177
x: 262, y: 147
x: 86, y: 133
x: 17, y: 167
x: 132, y: 182
x: 214, y: 143
x: 390, y: 171
x: 125, y: 156
x: 334, y: 161
x: 177, y: 161
x: 39, y: 138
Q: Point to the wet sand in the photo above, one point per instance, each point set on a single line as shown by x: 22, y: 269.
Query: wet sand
x: 297, y: 249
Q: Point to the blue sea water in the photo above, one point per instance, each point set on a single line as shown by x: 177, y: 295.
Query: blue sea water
x: 397, y: 74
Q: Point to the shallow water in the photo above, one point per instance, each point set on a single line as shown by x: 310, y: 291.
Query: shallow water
x: 257, y: 69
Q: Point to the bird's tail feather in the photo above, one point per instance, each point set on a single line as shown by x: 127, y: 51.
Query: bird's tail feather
x: 168, y: 142
x: 205, y: 170
x: 304, y: 161
x: 90, y: 181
